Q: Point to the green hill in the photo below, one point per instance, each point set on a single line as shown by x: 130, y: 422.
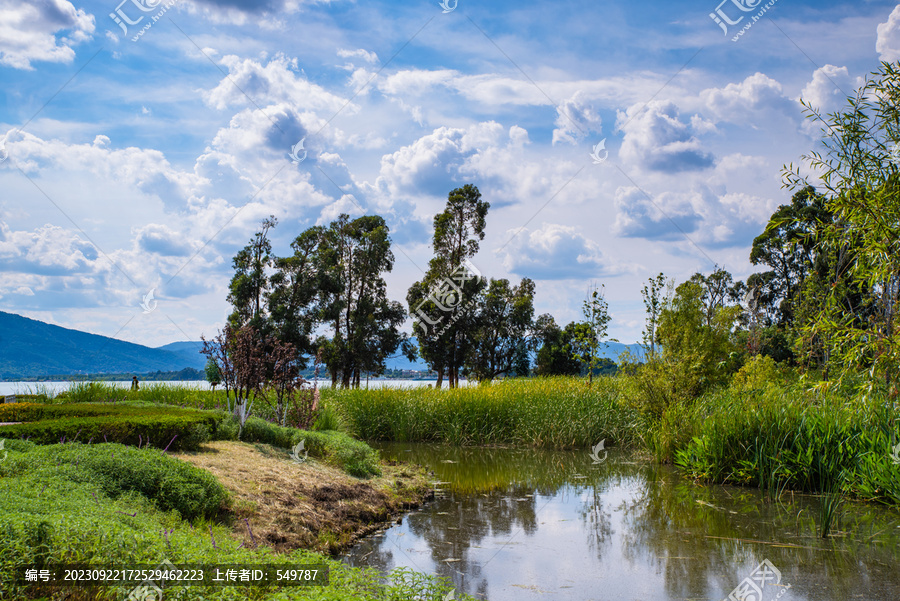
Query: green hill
x: 31, y: 348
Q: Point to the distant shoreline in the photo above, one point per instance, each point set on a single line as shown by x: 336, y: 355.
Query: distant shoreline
x: 193, y: 375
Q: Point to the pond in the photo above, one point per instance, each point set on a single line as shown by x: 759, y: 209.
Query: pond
x: 537, y: 524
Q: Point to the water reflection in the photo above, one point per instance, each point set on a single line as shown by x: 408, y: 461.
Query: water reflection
x: 523, y: 523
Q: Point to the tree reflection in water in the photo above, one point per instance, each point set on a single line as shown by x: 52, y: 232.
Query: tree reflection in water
x: 509, y: 522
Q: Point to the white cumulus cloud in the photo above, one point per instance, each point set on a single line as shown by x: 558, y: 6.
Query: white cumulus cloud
x: 29, y: 31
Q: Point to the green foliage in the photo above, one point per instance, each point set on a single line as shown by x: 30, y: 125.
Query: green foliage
x: 788, y: 248
x: 353, y: 456
x: 655, y: 385
x: 212, y: 372
x: 503, y: 321
x: 179, y: 429
x: 697, y: 347
x: 355, y: 255
x: 296, y: 284
x: 590, y: 336
x: 440, y: 303
x: 102, y: 392
x: 328, y: 418
x: 551, y: 412
x: 759, y: 372
x: 854, y: 326
x: 250, y: 283
x: 555, y: 354
x: 698, y: 353
x: 653, y: 303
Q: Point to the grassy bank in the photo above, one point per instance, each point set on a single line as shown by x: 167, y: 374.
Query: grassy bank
x: 115, y: 504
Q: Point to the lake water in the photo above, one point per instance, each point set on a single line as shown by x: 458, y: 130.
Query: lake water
x: 55, y: 387
x: 523, y: 524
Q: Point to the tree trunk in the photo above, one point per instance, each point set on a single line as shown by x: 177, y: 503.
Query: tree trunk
x: 440, y: 378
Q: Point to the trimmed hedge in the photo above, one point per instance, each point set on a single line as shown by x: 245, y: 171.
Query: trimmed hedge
x: 179, y: 429
x: 171, y: 484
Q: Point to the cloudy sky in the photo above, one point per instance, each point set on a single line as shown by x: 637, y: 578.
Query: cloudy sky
x: 143, y: 142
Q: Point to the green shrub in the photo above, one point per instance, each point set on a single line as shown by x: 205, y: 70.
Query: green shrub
x: 22, y: 446
x: 228, y: 427
x: 758, y: 372
x: 259, y: 430
x: 353, y: 456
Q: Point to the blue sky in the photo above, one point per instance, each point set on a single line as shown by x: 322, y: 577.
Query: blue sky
x: 144, y: 162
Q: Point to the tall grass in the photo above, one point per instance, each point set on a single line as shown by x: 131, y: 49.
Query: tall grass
x: 101, y: 392
x: 547, y: 412
x: 788, y: 436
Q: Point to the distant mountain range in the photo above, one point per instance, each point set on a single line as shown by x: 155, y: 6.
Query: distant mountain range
x: 31, y: 349
x: 614, y: 349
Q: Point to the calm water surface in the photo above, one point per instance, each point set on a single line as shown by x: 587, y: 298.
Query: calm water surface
x: 56, y: 387
x: 522, y: 524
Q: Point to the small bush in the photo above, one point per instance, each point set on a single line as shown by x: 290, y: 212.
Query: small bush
x: 259, y: 430
x: 757, y: 373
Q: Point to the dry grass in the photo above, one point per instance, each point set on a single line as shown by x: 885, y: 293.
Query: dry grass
x: 307, y: 505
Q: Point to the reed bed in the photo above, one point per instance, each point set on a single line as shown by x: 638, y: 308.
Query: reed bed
x: 545, y: 412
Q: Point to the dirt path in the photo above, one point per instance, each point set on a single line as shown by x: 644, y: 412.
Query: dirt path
x: 307, y: 505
